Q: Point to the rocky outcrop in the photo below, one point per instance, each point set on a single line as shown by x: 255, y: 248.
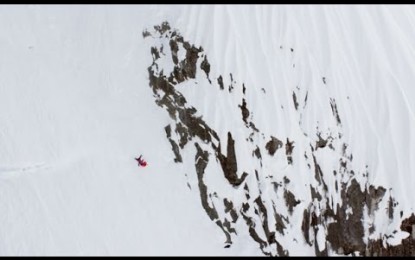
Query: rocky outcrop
x: 338, y: 199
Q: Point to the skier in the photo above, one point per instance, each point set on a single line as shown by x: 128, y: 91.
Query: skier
x: 141, y: 162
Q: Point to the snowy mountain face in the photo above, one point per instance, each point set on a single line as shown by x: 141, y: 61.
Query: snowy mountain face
x: 268, y: 130
x: 284, y: 190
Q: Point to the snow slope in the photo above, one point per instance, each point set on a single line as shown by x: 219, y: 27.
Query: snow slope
x: 365, y: 52
x: 76, y: 108
x: 75, y: 111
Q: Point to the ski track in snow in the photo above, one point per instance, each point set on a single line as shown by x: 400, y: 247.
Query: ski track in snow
x: 16, y: 171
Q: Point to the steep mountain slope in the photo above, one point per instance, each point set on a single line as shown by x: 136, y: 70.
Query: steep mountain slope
x: 269, y: 130
x: 341, y: 211
x: 75, y: 110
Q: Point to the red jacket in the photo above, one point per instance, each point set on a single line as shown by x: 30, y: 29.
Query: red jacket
x: 141, y: 162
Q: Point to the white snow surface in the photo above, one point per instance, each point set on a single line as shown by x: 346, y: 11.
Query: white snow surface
x: 76, y: 108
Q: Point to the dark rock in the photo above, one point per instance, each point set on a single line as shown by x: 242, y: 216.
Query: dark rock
x: 273, y: 145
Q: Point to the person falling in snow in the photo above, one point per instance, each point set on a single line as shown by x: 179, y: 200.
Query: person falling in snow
x: 141, y: 162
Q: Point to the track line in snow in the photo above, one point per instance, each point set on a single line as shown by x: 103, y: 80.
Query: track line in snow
x: 15, y: 171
